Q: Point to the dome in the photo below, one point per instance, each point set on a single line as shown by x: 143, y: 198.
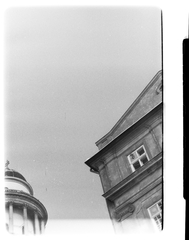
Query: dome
x: 13, y: 173
x: 16, y: 181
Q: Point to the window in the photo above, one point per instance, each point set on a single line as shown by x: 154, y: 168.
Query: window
x: 138, y: 158
x: 155, y: 212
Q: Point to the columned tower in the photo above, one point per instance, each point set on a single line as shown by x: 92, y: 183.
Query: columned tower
x: 24, y: 213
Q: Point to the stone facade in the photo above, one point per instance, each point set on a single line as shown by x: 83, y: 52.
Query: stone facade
x: 129, y: 163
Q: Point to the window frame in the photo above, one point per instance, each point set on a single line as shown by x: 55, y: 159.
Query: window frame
x: 157, y: 222
x: 138, y: 158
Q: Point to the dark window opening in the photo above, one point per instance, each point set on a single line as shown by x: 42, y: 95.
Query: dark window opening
x: 144, y: 159
x: 140, y: 151
x: 136, y: 165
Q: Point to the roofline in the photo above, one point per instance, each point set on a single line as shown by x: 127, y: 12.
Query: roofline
x: 105, y: 148
x: 131, y: 106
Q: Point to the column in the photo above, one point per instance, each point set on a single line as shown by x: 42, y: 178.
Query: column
x: 25, y: 216
x: 42, y: 225
x: 36, y: 223
x: 11, y: 217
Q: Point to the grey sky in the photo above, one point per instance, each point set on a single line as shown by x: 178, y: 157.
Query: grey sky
x: 70, y: 74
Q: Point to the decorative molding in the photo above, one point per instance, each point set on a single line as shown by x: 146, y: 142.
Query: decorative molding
x: 155, y: 184
x: 22, y: 198
x: 124, y: 211
x: 7, y: 190
x: 134, y: 178
x: 20, y: 181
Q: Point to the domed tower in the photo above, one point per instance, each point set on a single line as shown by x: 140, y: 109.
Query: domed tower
x: 24, y: 213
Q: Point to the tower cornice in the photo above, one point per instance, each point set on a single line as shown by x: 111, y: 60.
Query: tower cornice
x: 22, y: 198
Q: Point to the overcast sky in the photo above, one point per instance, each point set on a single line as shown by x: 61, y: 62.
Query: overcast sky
x: 70, y: 74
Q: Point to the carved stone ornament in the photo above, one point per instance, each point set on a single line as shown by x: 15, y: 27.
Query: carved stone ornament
x: 6, y: 164
x: 127, y: 210
x: 131, y: 208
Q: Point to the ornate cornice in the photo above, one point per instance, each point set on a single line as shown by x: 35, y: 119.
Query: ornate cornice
x: 25, y: 199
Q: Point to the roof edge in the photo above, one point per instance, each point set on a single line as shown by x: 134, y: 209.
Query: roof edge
x: 131, y: 107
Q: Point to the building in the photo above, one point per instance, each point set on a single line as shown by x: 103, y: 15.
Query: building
x: 129, y: 163
x: 24, y: 213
